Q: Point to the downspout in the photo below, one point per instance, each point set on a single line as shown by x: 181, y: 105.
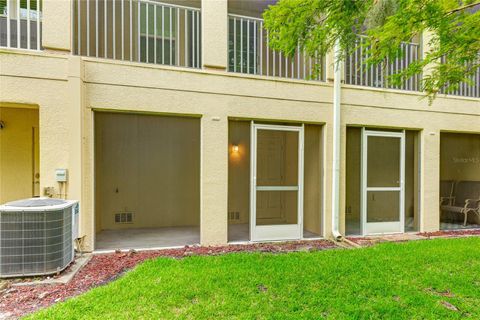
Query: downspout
x: 337, y: 236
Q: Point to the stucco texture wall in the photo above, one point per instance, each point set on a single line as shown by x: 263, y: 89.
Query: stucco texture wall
x: 40, y: 81
x: 213, y: 97
x: 67, y: 98
x: 403, y: 110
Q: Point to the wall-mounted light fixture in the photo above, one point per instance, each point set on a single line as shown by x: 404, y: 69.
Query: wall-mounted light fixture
x: 2, y: 124
x: 235, y: 148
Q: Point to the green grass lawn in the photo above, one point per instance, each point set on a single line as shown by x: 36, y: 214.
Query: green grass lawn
x: 415, y: 280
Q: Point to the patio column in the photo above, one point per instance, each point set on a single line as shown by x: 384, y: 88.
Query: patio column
x: 425, y: 47
x: 77, y: 120
x: 430, y: 180
x: 214, y: 171
x: 330, y: 66
x: 214, y: 180
x: 56, y: 25
x: 430, y: 164
x: 214, y: 34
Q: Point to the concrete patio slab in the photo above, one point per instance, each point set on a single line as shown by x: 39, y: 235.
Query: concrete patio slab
x: 66, y: 276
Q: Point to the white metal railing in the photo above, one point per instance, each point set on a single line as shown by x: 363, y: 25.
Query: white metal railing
x: 466, y: 89
x: 249, y: 52
x: 137, y: 30
x: 358, y: 73
x: 21, y: 24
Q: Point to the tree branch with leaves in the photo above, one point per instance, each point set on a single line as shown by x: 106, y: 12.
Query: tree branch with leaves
x: 453, y: 26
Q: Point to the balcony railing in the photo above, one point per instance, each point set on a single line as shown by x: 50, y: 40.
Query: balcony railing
x: 466, y: 89
x: 137, y: 30
x: 21, y: 24
x: 249, y: 52
x: 358, y: 73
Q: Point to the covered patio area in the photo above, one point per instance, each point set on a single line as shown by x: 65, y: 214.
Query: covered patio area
x: 459, y: 181
x: 147, y: 238
x: 147, y: 181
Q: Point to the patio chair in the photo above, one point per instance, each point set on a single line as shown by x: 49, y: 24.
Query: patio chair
x: 466, y: 200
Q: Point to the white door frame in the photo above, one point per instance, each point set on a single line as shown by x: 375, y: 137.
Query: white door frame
x: 275, y: 232
x: 382, y: 227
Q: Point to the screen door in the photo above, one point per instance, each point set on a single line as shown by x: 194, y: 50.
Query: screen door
x: 383, y: 176
x: 276, y: 200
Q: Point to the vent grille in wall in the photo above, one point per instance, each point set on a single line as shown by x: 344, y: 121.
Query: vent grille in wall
x: 124, y: 217
x: 234, y: 215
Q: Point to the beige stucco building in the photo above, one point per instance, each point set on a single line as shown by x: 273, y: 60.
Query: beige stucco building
x: 178, y: 125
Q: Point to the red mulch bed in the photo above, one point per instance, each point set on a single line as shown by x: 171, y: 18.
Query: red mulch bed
x: 370, y: 241
x: 101, y: 269
x: 451, y: 233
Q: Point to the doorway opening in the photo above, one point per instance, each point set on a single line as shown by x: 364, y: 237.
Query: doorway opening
x: 382, y: 181
x: 275, y: 174
x: 19, y: 153
x: 459, y: 181
x: 147, y: 181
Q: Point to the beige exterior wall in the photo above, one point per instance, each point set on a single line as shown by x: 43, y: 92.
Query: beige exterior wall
x: 406, y: 110
x: 56, y: 25
x: 214, y: 33
x: 67, y: 91
x: 33, y: 79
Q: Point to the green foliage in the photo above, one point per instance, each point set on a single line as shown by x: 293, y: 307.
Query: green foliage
x: 453, y: 27
x: 380, y: 11
x: 414, y: 280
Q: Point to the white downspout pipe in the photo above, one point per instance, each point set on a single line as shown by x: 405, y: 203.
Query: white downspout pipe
x: 336, y: 143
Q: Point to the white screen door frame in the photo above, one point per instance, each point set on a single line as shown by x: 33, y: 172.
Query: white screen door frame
x: 373, y: 228
x: 276, y: 231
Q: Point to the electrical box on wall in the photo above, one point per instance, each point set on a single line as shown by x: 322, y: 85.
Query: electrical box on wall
x: 61, y: 175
